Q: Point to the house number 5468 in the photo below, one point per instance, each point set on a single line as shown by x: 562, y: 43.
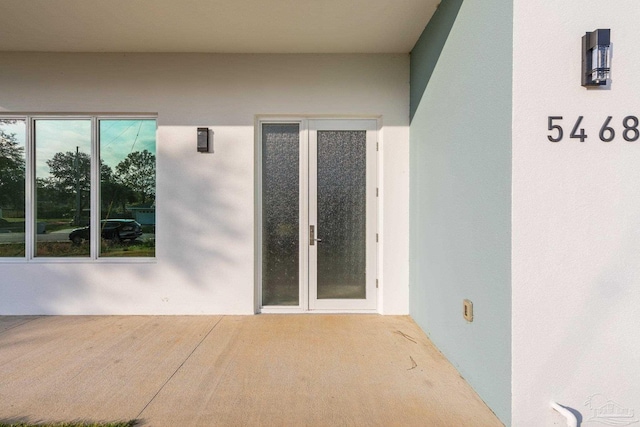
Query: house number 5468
x: 607, y: 132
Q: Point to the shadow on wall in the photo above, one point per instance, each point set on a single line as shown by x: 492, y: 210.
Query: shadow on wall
x: 576, y: 414
x: 204, y: 201
x: 204, y: 246
x: 595, y: 326
x: 208, y: 206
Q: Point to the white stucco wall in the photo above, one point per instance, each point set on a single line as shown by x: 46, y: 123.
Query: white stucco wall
x: 205, y: 242
x: 576, y: 217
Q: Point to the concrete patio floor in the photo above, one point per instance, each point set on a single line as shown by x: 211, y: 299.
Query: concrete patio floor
x: 265, y: 370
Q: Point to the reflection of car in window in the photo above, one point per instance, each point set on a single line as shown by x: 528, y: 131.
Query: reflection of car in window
x: 115, y: 230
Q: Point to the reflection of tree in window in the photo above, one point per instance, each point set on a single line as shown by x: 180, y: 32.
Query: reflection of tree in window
x: 69, y: 183
x: 138, y: 172
x: 12, y: 187
x: 12, y: 169
x: 115, y: 195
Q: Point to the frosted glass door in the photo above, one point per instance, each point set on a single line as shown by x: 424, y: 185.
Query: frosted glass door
x: 342, y: 214
x: 280, y: 214
x: 342, y: 210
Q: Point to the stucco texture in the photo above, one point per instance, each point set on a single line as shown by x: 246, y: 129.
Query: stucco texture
x: 205, y: 202
x: 461, y: 196
x: 576, y: 293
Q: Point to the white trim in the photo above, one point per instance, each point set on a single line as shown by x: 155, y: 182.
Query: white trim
x: 79, y: 260
x: 75, y: 115
x: 297, y: 310
x: 379, y: 216
x: 304, y: 215
x: 281, y: 310
x: 29, y: 190
x: 257, y: 215
x: 94, y: 195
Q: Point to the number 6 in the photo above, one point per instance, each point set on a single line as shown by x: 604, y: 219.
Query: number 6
x: 605, y: 128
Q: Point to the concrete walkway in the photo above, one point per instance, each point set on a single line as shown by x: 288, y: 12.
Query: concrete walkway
x: 266, y: 370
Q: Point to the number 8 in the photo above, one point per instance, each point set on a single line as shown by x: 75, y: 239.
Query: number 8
x: 630, y: 129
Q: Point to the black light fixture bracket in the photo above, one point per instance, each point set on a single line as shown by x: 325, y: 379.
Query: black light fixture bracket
x: 203, y: 140
x: 596, y: 58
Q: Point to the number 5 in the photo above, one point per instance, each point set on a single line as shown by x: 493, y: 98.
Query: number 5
x: 556, y: 127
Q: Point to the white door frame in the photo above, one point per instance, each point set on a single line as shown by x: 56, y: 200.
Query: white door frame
x: 370, y: 126
x: 307, y: 125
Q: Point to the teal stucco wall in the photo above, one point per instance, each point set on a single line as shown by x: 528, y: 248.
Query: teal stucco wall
x: 460, y: 216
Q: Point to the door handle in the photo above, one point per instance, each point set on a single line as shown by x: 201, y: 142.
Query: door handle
x: 312, y: 235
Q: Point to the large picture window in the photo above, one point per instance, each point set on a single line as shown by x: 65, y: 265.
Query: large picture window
x: 77, y: 187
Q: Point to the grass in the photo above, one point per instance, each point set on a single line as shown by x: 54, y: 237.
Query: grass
x: 16, y: 220
x: 127, y: 252
x: 61, y: 249
x: 74, y: 424
x: 133, y: 249
x: 45, y: 249
x: 12, y: 250
x: 67, y: 249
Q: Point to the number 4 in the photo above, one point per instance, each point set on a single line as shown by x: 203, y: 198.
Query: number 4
x: 582, y: 136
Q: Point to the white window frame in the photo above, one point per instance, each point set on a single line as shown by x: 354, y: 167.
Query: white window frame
x: 30, y: 187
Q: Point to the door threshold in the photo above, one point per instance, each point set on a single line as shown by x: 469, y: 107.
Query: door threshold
x: 297, y: 310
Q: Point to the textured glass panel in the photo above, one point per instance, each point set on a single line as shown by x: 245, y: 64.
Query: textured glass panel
x: 127, y: 188
x: 342, y: 214
x: 280, y: 218
x: 12, y: 180
x: 63, y: 180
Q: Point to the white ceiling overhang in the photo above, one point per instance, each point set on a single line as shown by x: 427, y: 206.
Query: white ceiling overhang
x: 220, y: 26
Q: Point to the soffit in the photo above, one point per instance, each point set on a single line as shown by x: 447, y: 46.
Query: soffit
x: 229, y: 26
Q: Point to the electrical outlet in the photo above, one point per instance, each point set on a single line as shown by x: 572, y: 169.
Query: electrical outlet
x: 467, y: 310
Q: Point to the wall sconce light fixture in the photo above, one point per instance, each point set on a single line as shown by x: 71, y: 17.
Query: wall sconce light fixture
x: 596, y: 58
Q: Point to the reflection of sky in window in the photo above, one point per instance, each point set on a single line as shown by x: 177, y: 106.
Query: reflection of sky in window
x: 118, y: 138
x: 60, y: 136
x: 18, y: 128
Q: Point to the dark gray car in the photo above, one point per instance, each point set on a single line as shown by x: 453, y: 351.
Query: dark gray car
x: 115, y: 230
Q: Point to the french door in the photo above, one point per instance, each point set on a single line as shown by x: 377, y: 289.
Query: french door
x: 318, y: 215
